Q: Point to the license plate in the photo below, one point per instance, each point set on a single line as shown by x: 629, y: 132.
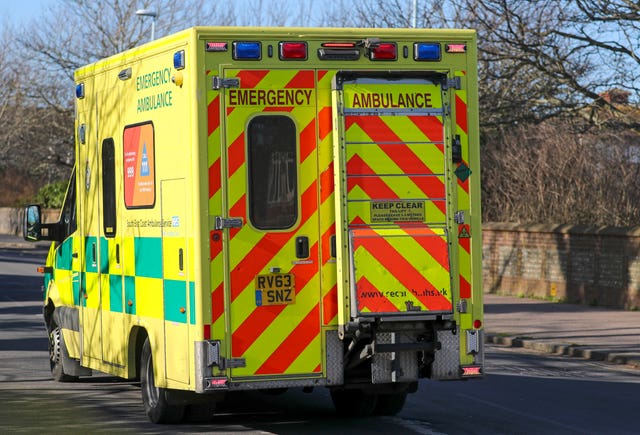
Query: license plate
x: 275, y: 289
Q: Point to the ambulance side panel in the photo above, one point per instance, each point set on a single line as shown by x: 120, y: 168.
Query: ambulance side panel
x: 139, y: 194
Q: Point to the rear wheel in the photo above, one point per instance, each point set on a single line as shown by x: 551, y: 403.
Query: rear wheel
x: 353, y: 403
x: 57, y: 349
x: 390, y: 404
x: 156, y: 405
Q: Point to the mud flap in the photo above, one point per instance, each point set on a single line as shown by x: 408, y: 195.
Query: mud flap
x: 390, y: 367
x: 446, y: 364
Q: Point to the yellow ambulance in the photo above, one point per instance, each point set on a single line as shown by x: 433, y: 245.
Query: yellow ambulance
x: 268, y: 208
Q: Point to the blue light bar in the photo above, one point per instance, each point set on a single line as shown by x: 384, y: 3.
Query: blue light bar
x: 178, y: 60
x: 243, y: 50
x: 80, y: 91
x: 426, y: 51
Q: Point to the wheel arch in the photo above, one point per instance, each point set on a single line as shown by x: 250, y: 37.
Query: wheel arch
x: 48, y: 311
x: 137, y: 336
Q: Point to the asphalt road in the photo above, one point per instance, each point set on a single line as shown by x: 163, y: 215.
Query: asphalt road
x: 523, y: 393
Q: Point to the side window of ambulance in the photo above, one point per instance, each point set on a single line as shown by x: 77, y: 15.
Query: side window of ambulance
x: 109, y: 187
x: 273, y: 177
x: 68, y: 216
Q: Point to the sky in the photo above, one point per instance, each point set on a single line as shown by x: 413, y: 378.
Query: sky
x: 20, y: 11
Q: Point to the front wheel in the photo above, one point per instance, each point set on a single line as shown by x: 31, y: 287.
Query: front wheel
x: 57, y: 350
x: 154, y: 399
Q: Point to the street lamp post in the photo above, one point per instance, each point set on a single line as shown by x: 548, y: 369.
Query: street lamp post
x: 149, y: 13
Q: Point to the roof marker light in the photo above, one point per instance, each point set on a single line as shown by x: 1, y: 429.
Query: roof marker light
x: 384, y: 51
x: 80, y: 91
x: 293, y: 51
x: 338, y: 44
x: 216, y: 46
x: 339, y: 51
x: 455, y: 48
x: 247, y: 50
x: 426, y: 51
x: 178, y: 60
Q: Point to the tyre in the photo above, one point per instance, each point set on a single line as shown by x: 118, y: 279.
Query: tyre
x: 353, y: 403
x: 154, y: 399
x: 57, y: 349
x: 390, y: 404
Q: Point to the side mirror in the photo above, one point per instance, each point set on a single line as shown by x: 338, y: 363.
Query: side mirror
x: 32, y: 223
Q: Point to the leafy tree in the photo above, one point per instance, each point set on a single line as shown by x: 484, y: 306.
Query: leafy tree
x: 52, y: 194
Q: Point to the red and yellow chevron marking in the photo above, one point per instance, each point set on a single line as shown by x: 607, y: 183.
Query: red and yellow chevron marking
x: 464, y: 245
x: 328, y: 276
x: 400, y: 270
x: 395, y: 157
x: 215, y: 209
x: 277, y: 339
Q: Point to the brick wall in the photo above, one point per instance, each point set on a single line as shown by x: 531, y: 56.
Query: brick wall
x: 578, y: 264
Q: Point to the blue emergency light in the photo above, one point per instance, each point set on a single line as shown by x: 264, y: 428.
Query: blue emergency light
x: 178, y: 60
x: 247, y: 50
x: 426, y: 51
x: 80, y: 91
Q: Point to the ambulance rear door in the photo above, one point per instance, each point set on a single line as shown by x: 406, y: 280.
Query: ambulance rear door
x: 270, y: 223
x: 392, y: 196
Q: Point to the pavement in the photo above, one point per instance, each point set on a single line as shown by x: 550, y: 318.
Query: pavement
x: 591, y: 333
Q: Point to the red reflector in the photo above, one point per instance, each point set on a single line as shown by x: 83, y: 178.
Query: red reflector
x: 456, y: 48
x: 216, y: 382
x: 40, y: 269
x: 293, y: 50
x: 207, y: 332
x: 384, y: 51
x: 477, y: 324
x: 472, y: 371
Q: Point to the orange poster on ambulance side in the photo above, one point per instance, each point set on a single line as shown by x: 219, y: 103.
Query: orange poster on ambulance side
x: 139, y: 166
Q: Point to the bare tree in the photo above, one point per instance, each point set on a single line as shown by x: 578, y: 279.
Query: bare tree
x: 36, y: 105
x: 551, y: 58
x: 558, y: 101
x: 561, y: 172
x: 72, y: 33
x: 558, y: 88
x: 385, y: 13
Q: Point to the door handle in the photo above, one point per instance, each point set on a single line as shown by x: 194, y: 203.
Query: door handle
x: 230, y: 222
x: 302, y: 247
